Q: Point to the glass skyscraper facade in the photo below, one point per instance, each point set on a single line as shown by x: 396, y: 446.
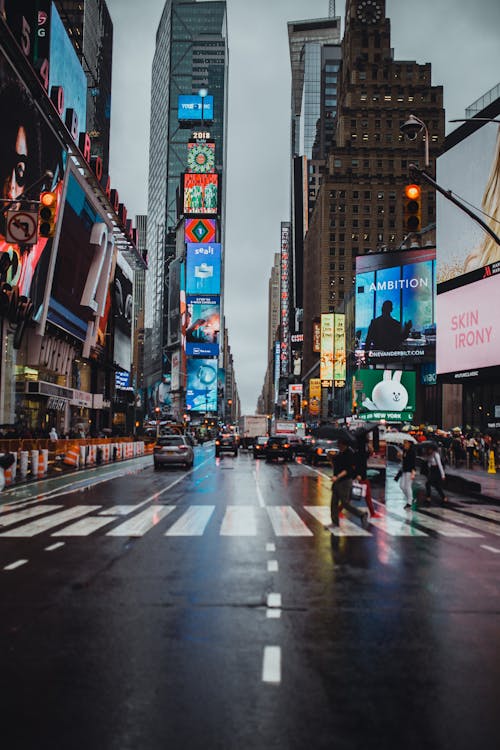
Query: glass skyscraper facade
x: 191, y: 53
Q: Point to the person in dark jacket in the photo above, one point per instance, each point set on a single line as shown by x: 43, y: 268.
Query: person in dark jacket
x: 361, y: 455
x: 408, y: 469
x: 344, y: 467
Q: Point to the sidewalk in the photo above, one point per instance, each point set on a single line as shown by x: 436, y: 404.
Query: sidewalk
x: 490, y: 483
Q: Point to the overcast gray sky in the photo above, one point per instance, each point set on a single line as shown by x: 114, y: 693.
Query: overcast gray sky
x: 459, y: 37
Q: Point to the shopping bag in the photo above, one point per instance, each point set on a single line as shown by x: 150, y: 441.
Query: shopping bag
x: 358, y: 491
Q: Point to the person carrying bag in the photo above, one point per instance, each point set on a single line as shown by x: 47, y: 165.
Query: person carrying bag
x: 435, y: 474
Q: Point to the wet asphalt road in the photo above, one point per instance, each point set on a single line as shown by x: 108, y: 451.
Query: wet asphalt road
x: 209, y: 626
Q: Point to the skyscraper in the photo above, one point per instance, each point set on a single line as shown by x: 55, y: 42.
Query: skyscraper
x: 191, y: 53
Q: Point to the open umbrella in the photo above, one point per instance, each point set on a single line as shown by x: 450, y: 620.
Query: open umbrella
x: 398, y: 438
x: 361, y: 433
x: 329, y: 432
x: 428, y: 444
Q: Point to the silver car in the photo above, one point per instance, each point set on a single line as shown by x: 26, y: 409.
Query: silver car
x: 173, y: 449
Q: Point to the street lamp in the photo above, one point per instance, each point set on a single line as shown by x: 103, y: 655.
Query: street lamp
x: 157, y: 411
x: 411, y: 128
x: 202, y: 93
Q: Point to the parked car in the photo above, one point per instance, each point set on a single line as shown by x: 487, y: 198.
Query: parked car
x: 279, y: 446
x: 172, y: 449
x: 321, y: 452
x: 226, y: 443
x: 259, y: 446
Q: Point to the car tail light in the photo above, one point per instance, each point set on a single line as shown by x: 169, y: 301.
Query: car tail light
x: 319, y: 451
x: 286, y: 445
x: 183, y: 448
x: 217, y: 442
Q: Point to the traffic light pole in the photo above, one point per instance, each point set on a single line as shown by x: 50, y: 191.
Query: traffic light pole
x: 449, y: 196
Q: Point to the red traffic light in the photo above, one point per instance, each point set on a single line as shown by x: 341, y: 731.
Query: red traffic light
x: 413, y: 192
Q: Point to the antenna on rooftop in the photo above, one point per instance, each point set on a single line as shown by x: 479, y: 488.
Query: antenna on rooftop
x: 331, y: 11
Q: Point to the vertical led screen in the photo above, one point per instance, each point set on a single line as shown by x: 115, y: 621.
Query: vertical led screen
x: 174, y: 298
x: 201, y: 157
x: 123, y: 306
x: 385, y: 394
x: 28, y: 147
x: 314, y: 396
x: 339, y: 362
x: 201, y: 194
x: 199, y: 230
x: 203, y: 268
x: 395, y: 305
x: 194, y: 108
x: 468, y: 290
x: 327, y: 347
x: 284, y: 293
x: 201, y: 390
x: 203, y: 326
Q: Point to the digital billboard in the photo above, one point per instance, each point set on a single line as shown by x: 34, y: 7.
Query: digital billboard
x: 395, y: 305
x: 201, y: 390
x: 203, y: 268
x: 28, y: 148
x: 174, y: 300
x: 199, y: 230
x: 385, y: 394
x: 203, y: 326
x: 339, y: 353
x: 122, y: 380
x: 123, y: 311
x: 201, y: 157
x: 314, y: 396
x: 193, y: 108
x: 327, y: 347
x: 201, y: 194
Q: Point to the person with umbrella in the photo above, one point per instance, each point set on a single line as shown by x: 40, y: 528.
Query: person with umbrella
x: 344, y: 467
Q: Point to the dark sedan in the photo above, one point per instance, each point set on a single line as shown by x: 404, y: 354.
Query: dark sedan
x: 321, y: 452
x: 226, y: 443
x: 259, y: 447
x: 279, y: 447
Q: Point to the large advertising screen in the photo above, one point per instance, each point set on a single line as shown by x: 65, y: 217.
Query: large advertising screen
x: 203, y: 268
x: 201, y: 390
x: 385, y: 394
x: 339, y: 355
x: 201, y: 194
x: 199, y: 230
x: 174, y: 302
x: 193, y: 108
x: 66, y: 71
x: 28, y: 148
x: 203, y: 326
x: 395, y: 306
x: 123, y: 310
x: 327, y: 347
x: 201, y: 157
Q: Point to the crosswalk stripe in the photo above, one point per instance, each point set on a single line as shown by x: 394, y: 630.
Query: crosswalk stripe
x: 347, y: 528
x: 84, y: 527
x: 50, y: 522
x: 286, y: 522
x: 193, y: 522
x: 142, y: 522
x: 475, y: 523
x: 441, y: 527
x: 120, y: 510
x: 23, y: 515
x: 239, y: 520
x: 396, y: 526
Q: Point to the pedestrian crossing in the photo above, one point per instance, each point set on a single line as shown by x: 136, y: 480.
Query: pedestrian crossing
x: 239, y: 521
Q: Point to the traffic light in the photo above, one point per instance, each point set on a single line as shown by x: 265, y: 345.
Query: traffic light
x: 412, y: 209
x: 47, y: 214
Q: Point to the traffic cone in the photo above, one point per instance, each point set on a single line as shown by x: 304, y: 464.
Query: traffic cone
x: 492, y: 469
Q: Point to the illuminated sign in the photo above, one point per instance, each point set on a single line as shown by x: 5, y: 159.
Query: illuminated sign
x: 201, y: 194
x: 201, y: 157
x: 193, y: 108
x: 385, y: 394
x: 203, y: 326
x: 284, y: 294
x: 339, y: 362
x: 199, y: 230
x: 327, y: 347
x: 316, y: 336
x: 201, y: 389
x: 203, y: 268
x: 314, y: 396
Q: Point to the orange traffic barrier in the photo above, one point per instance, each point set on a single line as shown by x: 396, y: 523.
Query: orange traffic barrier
x: 72, y: 455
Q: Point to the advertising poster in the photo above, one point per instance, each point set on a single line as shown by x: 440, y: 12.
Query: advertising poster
x: 66, y: 71
x: 327, y: 347
x: 339, y: 363
x: 203, y: 326
x: 295, y: 398
x: 201, y: 390
x: 28, y: 147
x: 395, y: 305
x: 203, y: 268
x: 176, y: 369
x: 201, y: 158
x: 199, y: 230
x: 314, y: 396
x: 174, y: 300
x: 385, y: 394
x: 193, y: 108
x: 123, y: 311
x: 316, y: 336
x: 160, y: 394
x: 201, y: 194
x: 284, y: 296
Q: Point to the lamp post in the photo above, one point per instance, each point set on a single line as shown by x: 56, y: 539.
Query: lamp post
x: 411, y: 128
x: 202, y: 93
x: 157, y: 412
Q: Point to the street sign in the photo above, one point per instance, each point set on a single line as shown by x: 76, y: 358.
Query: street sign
x: 22, y: 227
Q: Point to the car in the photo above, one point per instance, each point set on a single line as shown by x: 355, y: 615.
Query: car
x: 226, y: 443
x: 279, y: 446
x: 259, y: 446
x: 321, y: 452
x: 172, y: 449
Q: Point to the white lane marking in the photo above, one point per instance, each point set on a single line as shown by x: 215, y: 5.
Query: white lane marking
x: 474, y: 523
x: 273, y: 614
x: 192, y: 522
x: 286, y: 522
x: 396, y: 527
x: 347, y: 528
x: 142, y: 522
x: 23, y: 515
x: 15, y: 565
x: 272, y: 566
x: 120, y: 510
x: 239, y: 520
x: 271, y: 665
x: 84, y: 527
x: 274, y: 600
x: 55, y: 546
x: 270, y: 547
x: 259, y: 493
x: 490, y: 549
x: 48, y: 522
x: 441, y: 527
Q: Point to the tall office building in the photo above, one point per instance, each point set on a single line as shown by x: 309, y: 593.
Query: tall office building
x: 191, y: 53
x: 90, y: 29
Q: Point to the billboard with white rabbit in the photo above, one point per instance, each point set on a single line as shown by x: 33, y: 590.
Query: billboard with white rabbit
x: 385, y: 394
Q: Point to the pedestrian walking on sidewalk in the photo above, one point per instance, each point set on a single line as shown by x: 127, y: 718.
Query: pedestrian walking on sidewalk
x: 435, y: 474
x: 344, y: 467
x: 408, y: 468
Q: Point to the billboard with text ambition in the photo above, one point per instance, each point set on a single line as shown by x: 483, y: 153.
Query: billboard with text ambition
x: 201, y: 389
x: 203, y: 268
x: 201, y: 194
x: 395, y: 306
